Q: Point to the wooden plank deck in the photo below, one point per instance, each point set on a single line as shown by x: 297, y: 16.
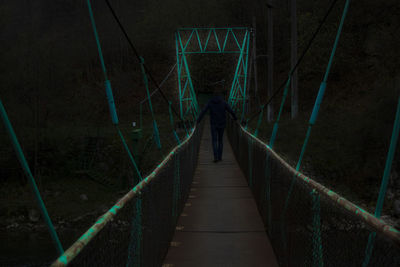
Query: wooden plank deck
x: 220, y: 225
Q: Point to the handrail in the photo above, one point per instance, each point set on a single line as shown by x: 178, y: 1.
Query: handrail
x: 78, y: 245
x: 379, y: 225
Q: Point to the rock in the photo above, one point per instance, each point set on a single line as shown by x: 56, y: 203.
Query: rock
x: 83, y: 197
x: 388, y: 220
x: 390, y: 194
x: 13, y: 225
x: 394, y: 181
x: 33, y: 215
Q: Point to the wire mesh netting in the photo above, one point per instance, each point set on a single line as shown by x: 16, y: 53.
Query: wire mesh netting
x: 140, y: 232
x: 306, y: 226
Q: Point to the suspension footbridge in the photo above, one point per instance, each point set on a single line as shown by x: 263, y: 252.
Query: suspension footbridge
x: 251, y: 209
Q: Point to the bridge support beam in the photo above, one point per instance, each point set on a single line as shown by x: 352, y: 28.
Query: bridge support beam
x: 187, y: 96
x: 207, y: 41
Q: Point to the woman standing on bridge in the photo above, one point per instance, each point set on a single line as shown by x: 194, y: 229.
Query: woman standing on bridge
x: 217, y: 107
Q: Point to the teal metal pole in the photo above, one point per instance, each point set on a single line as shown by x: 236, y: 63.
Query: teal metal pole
x: 235, y: 79
x: 314, y: 114
x: 244, y: 94
x: 316, y: 235
x: 129, y: 152
x: 155, y: 127
x: 178, y: 69
x: 135, y: 243
x: 109, y: 93
x: 233, y: 87
x: 177, y: 188
x: 171, y: 119
x: 96, y: 36
x: 31, y: 179
x: 322, y: 87
x: 276, y: 124
x: 389, y: 160
x: 384, y: 183
x: 267, y: 175
x: 259, y: 121
x: 191, y: 89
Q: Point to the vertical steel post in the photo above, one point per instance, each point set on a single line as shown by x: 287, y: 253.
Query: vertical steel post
x: 245, y: 66
x: 255, y: 57
x: 178, y: 69
x: 233, y: 94
x: 251, y: 67
x: 191, y: 89
x: 192, y: 95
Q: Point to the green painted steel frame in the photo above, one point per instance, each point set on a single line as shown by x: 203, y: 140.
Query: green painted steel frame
x: 187, y: 97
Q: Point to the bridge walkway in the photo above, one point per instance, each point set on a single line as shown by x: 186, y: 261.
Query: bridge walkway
x: 220, y: 224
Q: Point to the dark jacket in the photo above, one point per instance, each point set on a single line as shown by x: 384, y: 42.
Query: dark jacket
x: 217, y: 107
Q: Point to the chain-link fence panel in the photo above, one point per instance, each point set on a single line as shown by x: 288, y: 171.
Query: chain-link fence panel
x: 308, y: 224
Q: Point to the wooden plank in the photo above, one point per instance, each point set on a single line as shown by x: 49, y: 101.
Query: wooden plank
x: 220, y: 225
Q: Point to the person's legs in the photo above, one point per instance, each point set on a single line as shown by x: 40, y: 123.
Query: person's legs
x: 214, y: 137
x: 220, y: 142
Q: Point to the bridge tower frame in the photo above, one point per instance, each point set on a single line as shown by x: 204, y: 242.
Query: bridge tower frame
x: 194, y: 45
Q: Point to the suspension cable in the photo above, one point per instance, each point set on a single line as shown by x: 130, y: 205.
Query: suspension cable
x: 138, y: 57
x: 161, y: 84
x: 299, y: 60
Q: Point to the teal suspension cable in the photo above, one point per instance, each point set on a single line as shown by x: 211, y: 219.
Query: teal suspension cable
x: 384, y: 183
x: 171, y: 119
x: 155, y: 127
x: 31, y: 179
x: 276, y: 124
x: 245, y: 67
x: 135, y: 241
x: 247, y: 124
x: 129, y: 153
x: 271, y: 145
x: 111, y: 104
x: 259, y: 121
x: 109, y: 93
x: 315, y: 111
x: 96, y: 36
x: 177, y: 188
x: 250, y: 160
x: 267, y: 175
x: 320, y: 96
x: 316, y: 235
